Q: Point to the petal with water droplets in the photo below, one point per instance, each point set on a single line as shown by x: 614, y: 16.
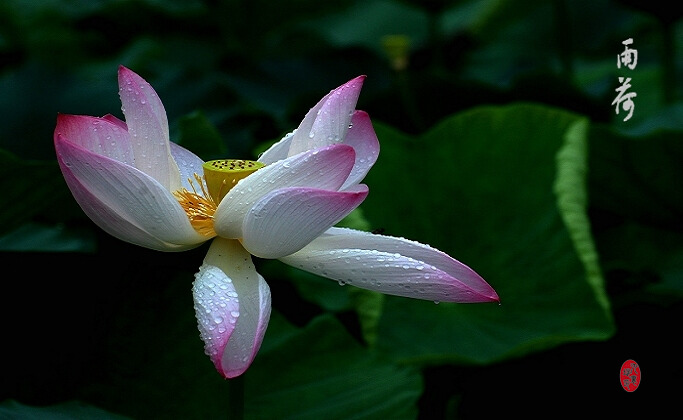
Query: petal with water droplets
x: 391, y: 265
x: 362, y: 138
x: 98, y: 135
x: 278, y: 151
x: 148, y: 128
x: 216, y: 306
x: 189, y: 164
x: 287, y: 219
x: 233, y: 320
x: 127, y: 192
x: 328, y: 121
x: 110, y: 221
x: 326, y: 168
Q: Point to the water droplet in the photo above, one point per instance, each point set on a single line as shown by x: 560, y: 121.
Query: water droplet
x: 218, y: 320
x: 342, y: 283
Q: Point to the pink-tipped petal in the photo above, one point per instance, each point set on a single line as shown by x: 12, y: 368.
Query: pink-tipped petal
x: 362, y: 138
x: 392, y: 265
x: 287, y: 219
x: 233, y: 306
x: 114, y: 120
x: 328, y: 121
x: 110, y: 221
x: 326, y: 168
x: 98, y: 135
x: 255, y: 310
x: 148, y: 128
x: 126, y: 192
x: 216, y: 307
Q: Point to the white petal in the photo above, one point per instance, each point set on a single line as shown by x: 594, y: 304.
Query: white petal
x: 391, y: 265
x: 148, y: 128
x: 277, y: 151
x: 247, y: 306
x: 255, y: 307
x: 188, y: 165
x: 326, y: 168
x: 112, y: 223
x: 328, y: 121
x: 102, y: 136
x: 216, y: 306
x: 287, y: 219
x: 362, y: 138
x: 127, y: 192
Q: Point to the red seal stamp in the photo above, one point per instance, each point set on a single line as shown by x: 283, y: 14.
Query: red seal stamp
x: 630, y: 375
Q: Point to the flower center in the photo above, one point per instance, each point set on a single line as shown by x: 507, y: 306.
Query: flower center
x: 219, y: 177
x: 222, y: 175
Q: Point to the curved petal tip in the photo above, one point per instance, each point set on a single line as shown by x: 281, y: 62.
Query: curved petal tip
x: 217, y: 308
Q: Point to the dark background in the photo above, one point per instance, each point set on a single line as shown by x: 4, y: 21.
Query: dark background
x: 244, y: 73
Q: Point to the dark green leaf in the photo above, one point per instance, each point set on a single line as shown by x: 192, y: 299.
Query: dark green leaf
x: 321, y: 372
x: 480, y: 186
x: 72, y: 410
x: 29, y: 188
x: 200, y: 136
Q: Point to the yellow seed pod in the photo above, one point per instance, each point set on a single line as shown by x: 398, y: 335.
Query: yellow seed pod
x: 222, y: 175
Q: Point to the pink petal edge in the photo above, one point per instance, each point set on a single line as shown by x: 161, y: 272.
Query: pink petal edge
x: 286, y: 220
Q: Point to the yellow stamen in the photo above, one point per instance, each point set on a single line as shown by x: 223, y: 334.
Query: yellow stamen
x: 200, y: 207
x: 219, y: 177
x: 222, y: 175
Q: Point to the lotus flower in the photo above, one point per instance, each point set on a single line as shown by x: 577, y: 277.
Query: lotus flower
x: 138, y: 186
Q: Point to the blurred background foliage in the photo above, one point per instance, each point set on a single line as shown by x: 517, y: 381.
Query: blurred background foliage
x: 500, y: 145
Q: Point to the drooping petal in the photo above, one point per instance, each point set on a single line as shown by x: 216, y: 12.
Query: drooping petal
x: 98, y: 135
x: 216, y: 307
x: 328, y: 121
x: 125, y: 191
x: 286, y: 220
x: 362, y: 138
x: 233, y: 307
x: 326, y: 168
x: 391, y: 265
x: 148, y: 128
